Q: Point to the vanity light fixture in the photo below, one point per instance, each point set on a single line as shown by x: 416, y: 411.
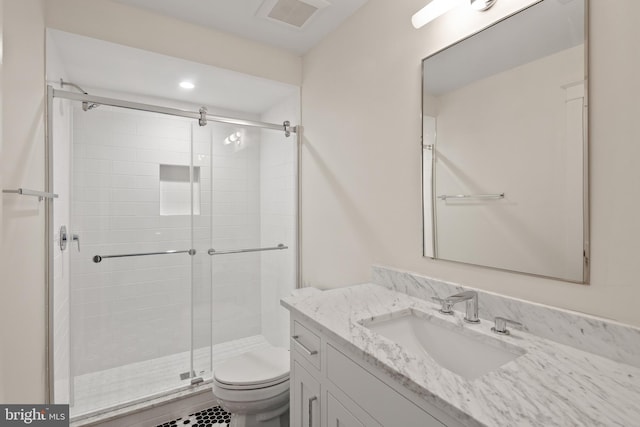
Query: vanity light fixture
x: 481, y: 5
x: 436, y: 8
x: 187, y: 85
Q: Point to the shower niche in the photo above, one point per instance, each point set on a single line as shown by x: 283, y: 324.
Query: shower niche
x: 176, y: 197
x: 164, y: 202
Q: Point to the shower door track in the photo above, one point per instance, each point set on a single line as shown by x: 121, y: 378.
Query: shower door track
x: 112, y: 102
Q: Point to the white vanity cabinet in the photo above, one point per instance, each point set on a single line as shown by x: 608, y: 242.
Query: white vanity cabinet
x: 331, y: 388
x: 305, y: 397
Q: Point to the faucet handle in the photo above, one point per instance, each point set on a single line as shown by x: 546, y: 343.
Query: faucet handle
x: 447, y: 305
x: 501, y: 325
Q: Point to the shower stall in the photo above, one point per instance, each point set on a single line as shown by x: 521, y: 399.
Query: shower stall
x: 172, y: 240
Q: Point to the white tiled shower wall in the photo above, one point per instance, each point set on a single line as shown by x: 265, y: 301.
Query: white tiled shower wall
x: 126, y: 310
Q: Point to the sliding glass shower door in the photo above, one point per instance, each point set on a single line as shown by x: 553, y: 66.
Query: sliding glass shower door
x: 180, y: 242
x: 137, y: 282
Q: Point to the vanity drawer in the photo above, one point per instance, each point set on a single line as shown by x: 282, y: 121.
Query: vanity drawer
x: 383, y: 403
x: 306, y: 343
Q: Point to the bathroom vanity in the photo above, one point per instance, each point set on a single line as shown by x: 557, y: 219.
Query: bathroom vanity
x: 352, y: 365
x: 330, y: 386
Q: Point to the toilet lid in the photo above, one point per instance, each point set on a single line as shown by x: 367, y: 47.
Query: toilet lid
x: 255, y: 367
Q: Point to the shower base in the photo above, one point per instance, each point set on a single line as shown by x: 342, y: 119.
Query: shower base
x: 112, y: 389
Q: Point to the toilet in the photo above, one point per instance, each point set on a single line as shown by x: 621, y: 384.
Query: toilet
x: 254, y: 388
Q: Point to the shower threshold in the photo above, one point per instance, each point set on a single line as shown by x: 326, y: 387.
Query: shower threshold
x: 101, y: 395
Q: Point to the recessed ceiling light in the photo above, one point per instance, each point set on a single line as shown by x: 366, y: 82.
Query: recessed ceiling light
x: 187, y: 85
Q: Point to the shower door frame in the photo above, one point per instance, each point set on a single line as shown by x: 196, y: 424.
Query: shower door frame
x: 203, y: 117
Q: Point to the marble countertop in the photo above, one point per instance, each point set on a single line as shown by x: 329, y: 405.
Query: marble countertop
x: 549, y: 385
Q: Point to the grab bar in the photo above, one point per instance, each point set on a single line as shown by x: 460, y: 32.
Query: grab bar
x: 237, y: 251
x: 26, y: 192
x: 99, y: 258
x: 472, y: 196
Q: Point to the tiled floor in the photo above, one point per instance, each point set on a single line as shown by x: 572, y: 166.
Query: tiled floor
x: 212, y: 417
x: 99, y: 391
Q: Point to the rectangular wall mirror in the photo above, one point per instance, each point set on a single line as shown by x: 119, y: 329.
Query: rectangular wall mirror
x: 505, y: 145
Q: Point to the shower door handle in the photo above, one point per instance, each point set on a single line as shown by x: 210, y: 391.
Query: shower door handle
x: 76, y: 238
x: 64, y: 238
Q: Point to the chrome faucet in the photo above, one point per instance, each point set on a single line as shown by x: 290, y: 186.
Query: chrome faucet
x: 471, y: 298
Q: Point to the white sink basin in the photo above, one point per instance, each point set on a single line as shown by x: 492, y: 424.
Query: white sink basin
x: 453, y: 348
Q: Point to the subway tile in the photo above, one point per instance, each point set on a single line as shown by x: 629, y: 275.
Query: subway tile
x: 135, y: 168
x: 203, y: 147
x: 134, y: 208
x: 131, y: 140
x: 91, y: 223
x: 123, y: 123
x: 162, y: 157
x: 87, y: 137
x: 108, y: 152
x: 123, y: 181
x: 134, y: 222
x: 87, y: 179
x: 147, y: 182
x: 91, y: 165
x: 129, y: 195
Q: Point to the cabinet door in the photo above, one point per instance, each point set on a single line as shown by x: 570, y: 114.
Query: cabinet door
x: 306, y: 405
x: 339, y: 416
x: 385, y: 405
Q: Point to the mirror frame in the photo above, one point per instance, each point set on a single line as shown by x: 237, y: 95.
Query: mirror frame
x: 586, y: 270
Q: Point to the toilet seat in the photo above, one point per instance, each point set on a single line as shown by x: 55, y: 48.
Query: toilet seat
x: 248, y: 395
x: 254, y: 370
x: 254, y: 387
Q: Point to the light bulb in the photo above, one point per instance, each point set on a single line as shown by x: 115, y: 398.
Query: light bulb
x: 433, y: 10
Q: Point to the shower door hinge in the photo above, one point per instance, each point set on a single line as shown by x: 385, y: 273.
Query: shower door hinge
x: 197, y: 380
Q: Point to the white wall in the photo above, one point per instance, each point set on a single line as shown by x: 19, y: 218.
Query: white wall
x: 130, y: 26
x: 361, y: 172
x: 22, y: 292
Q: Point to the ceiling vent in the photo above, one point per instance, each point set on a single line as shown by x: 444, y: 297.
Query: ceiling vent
x: 293, y: 13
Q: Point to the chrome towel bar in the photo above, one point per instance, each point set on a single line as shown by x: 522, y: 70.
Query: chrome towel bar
x: 472, y: 196
x: 99, y: 258
x: 237, y: 251
x: 26, y: 192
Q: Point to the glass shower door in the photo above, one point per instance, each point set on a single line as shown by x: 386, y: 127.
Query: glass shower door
x: 186, y: 243
x: 201, y: 292
x: 253, y: 211
x: 132, y: 280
